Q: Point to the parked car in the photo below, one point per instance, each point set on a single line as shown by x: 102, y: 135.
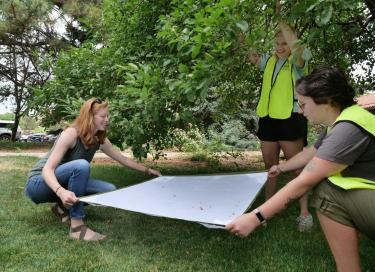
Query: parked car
x: 36, y: 137
x: 50, y: 138
x: 6, y: 130
x: 53, y: 134
x: 24, y: 137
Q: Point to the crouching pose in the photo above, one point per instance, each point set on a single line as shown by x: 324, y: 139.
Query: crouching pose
x: 63, y: 174
x: 340, y: 168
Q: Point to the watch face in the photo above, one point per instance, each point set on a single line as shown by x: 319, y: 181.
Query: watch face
x: 260, y: 217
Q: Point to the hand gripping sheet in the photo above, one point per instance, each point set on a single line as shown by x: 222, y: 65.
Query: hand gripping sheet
x: 213, y: 200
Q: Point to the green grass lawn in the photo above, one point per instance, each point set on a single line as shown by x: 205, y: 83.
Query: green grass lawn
x: 32, y: 239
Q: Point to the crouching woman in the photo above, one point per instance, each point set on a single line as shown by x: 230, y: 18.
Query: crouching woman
x: 340, y: 168
x: 63, y: 175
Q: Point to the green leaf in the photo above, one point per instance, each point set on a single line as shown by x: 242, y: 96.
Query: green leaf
x: 306, y: 54
x: 166, y: 62
x: 208, y: 56
x: 173, y: 84
x: 132, y: 66
x: 243, y: 25
x: 202, y: 84
x: 196, y: 50
x: 311, y: 7
x: 182, y: 68
x: 314, y: 34
x: 326, y: 15
x: 190, y: 96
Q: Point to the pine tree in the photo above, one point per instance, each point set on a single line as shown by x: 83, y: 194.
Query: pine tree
x: 30, y: 40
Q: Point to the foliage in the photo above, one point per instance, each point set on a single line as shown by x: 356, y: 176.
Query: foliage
x: 313, y: 133
x: 7, y: 116
x: 165, y: 64
x: 78, y: 73
x: 21, y: 146
x: 214, y: 150
x: 223, y: 144
x: 234, y: 133
x: 342, y: 33
x: 28, y: 123
x: 30, y: 40
x: 187, y: 140
x: 152, y: 86
x: 19, y: 39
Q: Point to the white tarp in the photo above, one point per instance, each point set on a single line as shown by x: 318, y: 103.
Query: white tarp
x: 215, y: 200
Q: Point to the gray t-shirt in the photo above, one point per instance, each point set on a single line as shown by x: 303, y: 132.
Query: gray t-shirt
x: 350, y: 145
x: 79, y: 151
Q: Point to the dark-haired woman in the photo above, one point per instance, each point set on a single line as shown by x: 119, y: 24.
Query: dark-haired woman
x: 340, y: 168
x: 63, y: 174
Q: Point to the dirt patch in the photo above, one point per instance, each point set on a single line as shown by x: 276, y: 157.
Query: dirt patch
x: 248, y: 159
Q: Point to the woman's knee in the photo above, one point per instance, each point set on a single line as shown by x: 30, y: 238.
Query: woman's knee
x: 270, y: 154
x: 99, y: 186
x: 78, y: 170
x: 111, y: 187
x: 82, y: 165
x: 106, y: 187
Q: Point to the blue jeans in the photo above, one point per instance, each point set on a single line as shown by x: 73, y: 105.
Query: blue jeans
x: 73, y: 176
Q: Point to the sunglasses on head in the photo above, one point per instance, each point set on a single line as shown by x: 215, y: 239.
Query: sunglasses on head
x: 97, y: 101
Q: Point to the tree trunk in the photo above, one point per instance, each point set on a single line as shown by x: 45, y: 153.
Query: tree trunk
x: 16, y: 87
x: 15, y: 126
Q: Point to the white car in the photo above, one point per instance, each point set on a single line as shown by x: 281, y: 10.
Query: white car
x: 6, y: 130
x: 24, y: 137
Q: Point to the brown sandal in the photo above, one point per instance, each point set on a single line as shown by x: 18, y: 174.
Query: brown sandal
x: 82, y: 229
x: 61, y: 212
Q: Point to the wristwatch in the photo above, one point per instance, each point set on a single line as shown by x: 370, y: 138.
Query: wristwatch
x: 260, y: 217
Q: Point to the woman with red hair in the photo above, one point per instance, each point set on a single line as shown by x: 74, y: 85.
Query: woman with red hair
x: 63, y: 175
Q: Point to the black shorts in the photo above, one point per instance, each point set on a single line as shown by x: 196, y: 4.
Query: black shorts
x: 291, y: 129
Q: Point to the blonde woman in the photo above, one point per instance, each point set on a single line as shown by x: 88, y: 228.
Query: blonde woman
x: 280, y: 126
x: 63, y: 175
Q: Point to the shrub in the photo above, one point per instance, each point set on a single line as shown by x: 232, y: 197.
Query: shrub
x: 234, y: 134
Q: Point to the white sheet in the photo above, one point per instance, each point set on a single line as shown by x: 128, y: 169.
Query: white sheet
x: 207, y: 199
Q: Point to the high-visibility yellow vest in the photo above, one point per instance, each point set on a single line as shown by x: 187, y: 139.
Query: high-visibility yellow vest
x: 365, y: 120
x: 277, y: 97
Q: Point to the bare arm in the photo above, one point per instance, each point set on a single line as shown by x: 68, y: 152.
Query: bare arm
x: 65, y: 141
x: 314, y: 172
x: 291, y: 38
x: 296, y: 162
x: 108, y: 149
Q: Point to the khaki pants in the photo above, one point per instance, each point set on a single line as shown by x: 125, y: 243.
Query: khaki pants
x: 354, y: 208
